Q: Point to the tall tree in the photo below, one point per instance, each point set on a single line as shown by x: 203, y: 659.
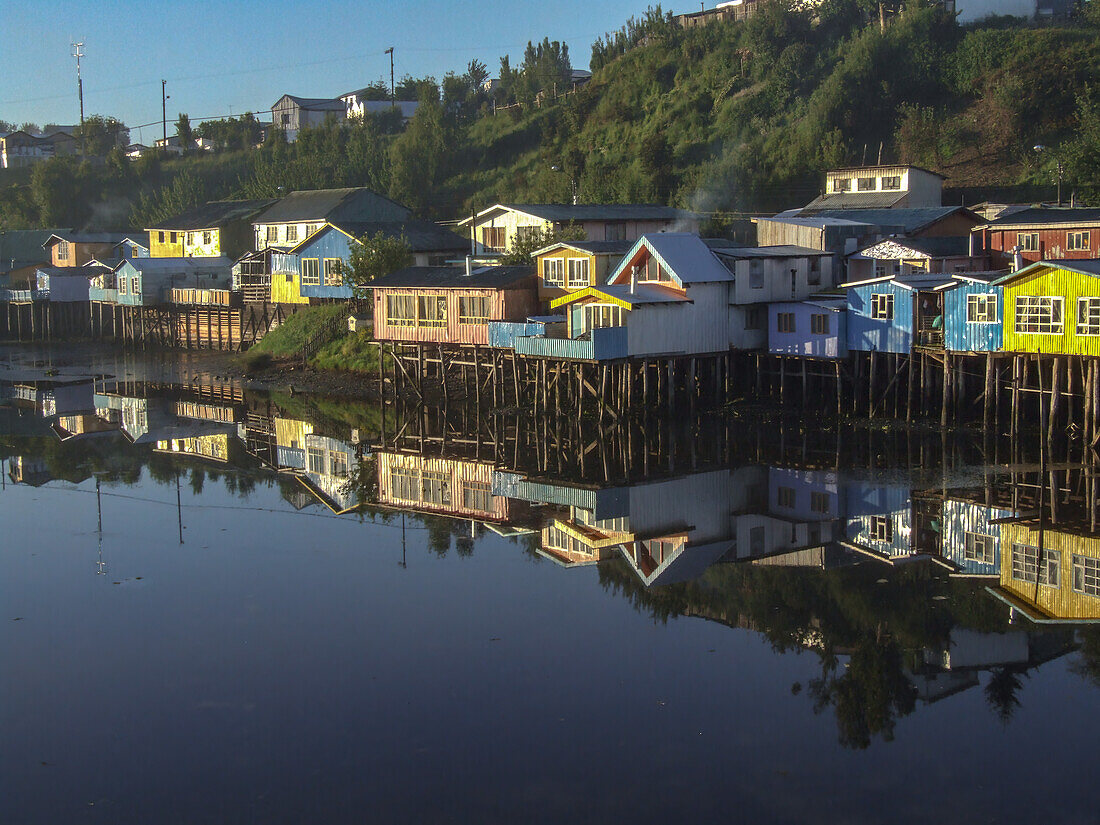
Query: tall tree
x: 374, y: 256
x: 185, y: 133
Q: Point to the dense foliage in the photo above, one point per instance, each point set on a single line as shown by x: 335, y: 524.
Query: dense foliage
x: 731, y: 116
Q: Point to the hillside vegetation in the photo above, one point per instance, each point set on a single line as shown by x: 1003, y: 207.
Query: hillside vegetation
x: 733, y: 117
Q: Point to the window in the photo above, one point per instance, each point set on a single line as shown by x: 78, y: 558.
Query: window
x: 285, y: 119
x: 1025, y: 565
x: 882, y: 529
x: 122, y: 286
x: 493, y: 238
x: 978, y: 547
x: 882, y: 306
x: 754, y: 318
x: 1088, y: 316
x: 431, y: 310
x: 553, y: 272
x: 603, y: 315
x: 311, y: 272
x: 842, y: 184
x: 1038, y: 315
x: 1077, y: 241
x: 339, y: 463
x: 785, y: 497
x: 272, y: 234
x: 784, y: 322
x: 207, y: 238
x: 290, y: 277
x: 1028, y: 241
x: 135, y: 285
x: 405, y: 484
x: 756, y: 274
x: 614, y: 231
x: 310, y: 229
x: 653, y: 272
x: 334, y: 272
x: 474, y: 310
x: 578, y: 273
x: 819, y: 324
x: 401, y: 310
x: 160, y: 237
x: 477, y: 495
x: 189, y: 238
x: 435, y: 488
x: 819, y: 502
x: 865, y: 184
x: 981, y: 309
x: 814, y: 278
x: 891, y: 182
x: 316, y: 460
x: 62, y: 250
x: 292, y: 233
x: 525, y: 234
x: 172, y: 237
x: 1086, y: 575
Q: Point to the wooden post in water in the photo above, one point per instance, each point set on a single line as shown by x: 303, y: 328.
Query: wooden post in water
x: 946, y: 399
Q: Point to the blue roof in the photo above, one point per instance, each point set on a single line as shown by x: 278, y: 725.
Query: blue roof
x: 687, y: 257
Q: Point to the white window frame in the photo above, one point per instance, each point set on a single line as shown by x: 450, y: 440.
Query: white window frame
x: 292, y: 233
x: 1086, y: 575
x: 1028, y: 241
x: 1041, y: 309
x: 334, y: 271
x: 978, y: 547
x: 608, y: 315
x: 881, y: 529
x: 578, y: 273
x: 882, y: 306
x: 1078, y: 241
x: 1025, y: 565
x: 553, y: 272
x: 272, y: 234
x: 1088, y: 316
x: 475, y: 309
x: 207, y: 237
x: 981, y: 308
x: 311, y: 272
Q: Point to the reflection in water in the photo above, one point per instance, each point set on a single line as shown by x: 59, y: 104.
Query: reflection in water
x: 909, y: 586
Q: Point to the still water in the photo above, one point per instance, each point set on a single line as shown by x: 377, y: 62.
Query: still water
x: 220, y: 606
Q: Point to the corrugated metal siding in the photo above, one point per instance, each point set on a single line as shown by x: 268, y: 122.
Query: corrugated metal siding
x: 459, y: 476
x: 327, y: 243
x: 701, y: 327
x: 604, y: 344
x: 1060, y: 602
x: 963, y: 336
x: 1054, y: 282
x: 802, y: 341
x: 866, y: 334
x: 506, y: 305
x: 503, y: 334
x: 962, y: 517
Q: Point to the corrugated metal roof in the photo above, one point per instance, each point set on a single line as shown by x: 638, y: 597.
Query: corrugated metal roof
x: 421, y: 236
x: 908, y: 220
x: 945, y: 247
x: 23, y: 247
x: 642, y: 294
x: 816, y: 222
x: 214, y: 214
x: 781, y: 251
x: 564, y: 212
x: 687, y: 257
x: 856, y: 200
x: 354, y: 204
x: 1085, y: 266
x: 322, y: 104
x: 88, y: 237
x: 593, y: 247
x: 1046, y: 215
x: 454, y: 277
x: 153, y: 264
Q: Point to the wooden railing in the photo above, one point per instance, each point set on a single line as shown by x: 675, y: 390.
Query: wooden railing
x: 331, y: 328
x: 216, y: 297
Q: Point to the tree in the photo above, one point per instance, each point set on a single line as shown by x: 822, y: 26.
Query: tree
x: 186, y: 191
x: 184, y: 133
x: 522, y: 248
x: 98, y: 134
x: 373, y: 256
x: 420, y: 157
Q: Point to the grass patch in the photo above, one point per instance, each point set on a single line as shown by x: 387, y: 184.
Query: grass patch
x: 288, y: 338
x: 353, y: 352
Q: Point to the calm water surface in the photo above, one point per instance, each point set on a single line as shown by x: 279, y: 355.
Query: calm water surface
x: 283, y: 663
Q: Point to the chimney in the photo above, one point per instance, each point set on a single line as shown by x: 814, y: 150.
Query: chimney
x: 971, y: 244
x: 633, y: 278
x: 467, y: 266
x: 1017, y: 259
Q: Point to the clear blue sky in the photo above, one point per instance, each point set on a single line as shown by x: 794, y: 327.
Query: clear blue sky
x: 232, y: 57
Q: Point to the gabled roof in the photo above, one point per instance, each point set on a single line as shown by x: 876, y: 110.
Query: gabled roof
x: 314, y: 104
x: 353, y: 204
x: 817, y: 221
x: 857, y: 200
x: 454, y: 277
x: 213, y: 215
x: 564, y: 212
x: 1047, y: 216
x: 421, y: 236
x: 907, y: 220
x: 1087, y: 266
x: 86, y: 271
x: 781, y: 251
x: 23, y: 247
x: 86, y: 237
x: 624, y: 296
x: 591, y: 247
x: 934, y: 282
x: 178, y: 264
x: 687, y: 258
x: 945, y: 247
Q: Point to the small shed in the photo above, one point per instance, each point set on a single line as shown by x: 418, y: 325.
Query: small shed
x: 448, y: 305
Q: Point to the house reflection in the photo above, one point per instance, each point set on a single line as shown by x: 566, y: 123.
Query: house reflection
x: 441, y: 486
x: 322, y: 464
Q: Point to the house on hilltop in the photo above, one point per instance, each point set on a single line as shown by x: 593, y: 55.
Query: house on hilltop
x: 879, y: 187
x: 291, y: 113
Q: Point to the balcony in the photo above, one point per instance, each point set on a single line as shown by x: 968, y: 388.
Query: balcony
x: 22, y: 296
x: 601, y: 344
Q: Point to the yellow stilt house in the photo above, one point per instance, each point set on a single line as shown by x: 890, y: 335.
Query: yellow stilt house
x: 1053, y: 307
x: 1061, y: 586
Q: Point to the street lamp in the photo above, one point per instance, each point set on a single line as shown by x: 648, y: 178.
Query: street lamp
x: 1039, y: 149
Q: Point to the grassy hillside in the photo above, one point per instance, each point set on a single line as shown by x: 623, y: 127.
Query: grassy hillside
x: 735, y: 116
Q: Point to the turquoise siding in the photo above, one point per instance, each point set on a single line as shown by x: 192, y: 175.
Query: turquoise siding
x: 867, y: 334
x: 604, y: 344
x: 503, y: 334
x: 963, y: 336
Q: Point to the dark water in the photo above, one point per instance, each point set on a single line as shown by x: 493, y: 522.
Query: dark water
x: 776, y: 629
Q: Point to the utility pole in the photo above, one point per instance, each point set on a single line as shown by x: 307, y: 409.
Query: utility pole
x: 79, y: 53
x: 393, y: 93
x: 164, y: 114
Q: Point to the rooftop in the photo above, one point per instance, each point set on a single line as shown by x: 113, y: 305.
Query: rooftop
x: 856, y: 200
x: 421, y: 236
x: 454, y: 277
x: 1048, y: 215
x: 87, y: 237
x: 353, y: 204
x: 23, y: 247
x: 564, y: 212
x: 906, y: 220
x: 214, y: 214
x: 593, y: 247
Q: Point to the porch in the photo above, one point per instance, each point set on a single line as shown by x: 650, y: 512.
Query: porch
x: 598, y: 344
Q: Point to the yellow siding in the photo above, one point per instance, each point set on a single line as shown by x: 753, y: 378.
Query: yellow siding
x: 292, y: 433
x: 458, y: 475
x: 193, y: 246
x: 597, y: 266
x: 1054, y: 283
x: 511, y: 221
x: 166, y: 248
x: 1059, y: 602
x: 286, y: 288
